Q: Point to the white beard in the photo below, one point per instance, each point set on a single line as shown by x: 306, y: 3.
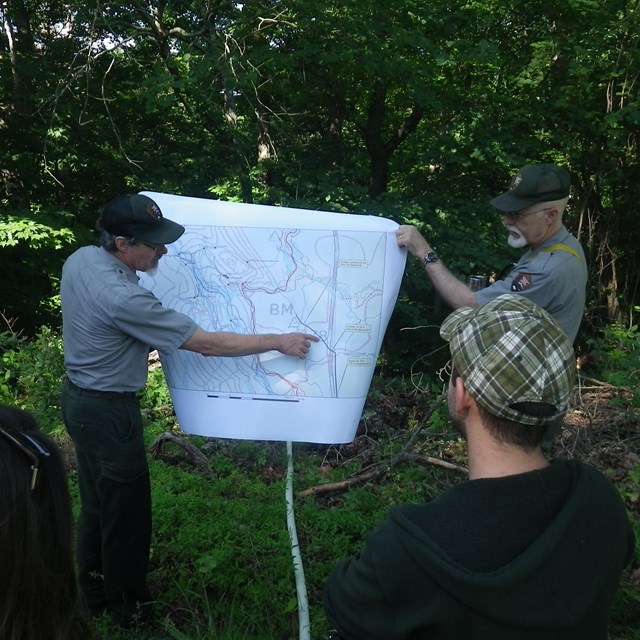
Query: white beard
x: 516, y: 241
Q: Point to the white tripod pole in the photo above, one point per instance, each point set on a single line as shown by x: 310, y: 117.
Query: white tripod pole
x: 301, y: 587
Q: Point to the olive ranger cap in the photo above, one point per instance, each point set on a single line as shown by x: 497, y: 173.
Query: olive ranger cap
x: 508, y: 351
x: 138, y: 216
x: 532, y: 184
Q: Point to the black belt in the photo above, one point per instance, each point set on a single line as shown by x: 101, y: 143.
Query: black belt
x: 106, y: 395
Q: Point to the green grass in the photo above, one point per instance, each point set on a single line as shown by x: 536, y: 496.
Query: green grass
x: 221, y: 566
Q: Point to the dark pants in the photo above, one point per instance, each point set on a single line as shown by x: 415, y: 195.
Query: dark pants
x: 114, y: 528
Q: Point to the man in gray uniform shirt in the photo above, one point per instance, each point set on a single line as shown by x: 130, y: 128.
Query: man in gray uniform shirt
x: 552, y: 273
x: 110, y: 323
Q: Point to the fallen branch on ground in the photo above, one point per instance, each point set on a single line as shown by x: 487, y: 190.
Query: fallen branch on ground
x: 380, y: 469
x: 600, y: 383
x: 191, y: 452
x: 417, y: 457
x: 341, y: 485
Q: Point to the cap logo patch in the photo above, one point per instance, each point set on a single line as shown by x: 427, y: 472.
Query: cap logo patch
x: 153, y: 210
x: 515, y: 182
x: 521, y: 282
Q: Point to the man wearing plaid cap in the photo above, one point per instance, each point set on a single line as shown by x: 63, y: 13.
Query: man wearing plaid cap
x: 526, y: 548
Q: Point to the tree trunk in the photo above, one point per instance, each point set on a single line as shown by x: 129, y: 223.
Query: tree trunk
x: 380, y: 152
x: 16, y: 113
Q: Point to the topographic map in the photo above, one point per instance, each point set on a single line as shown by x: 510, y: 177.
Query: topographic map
x: 256, y: 269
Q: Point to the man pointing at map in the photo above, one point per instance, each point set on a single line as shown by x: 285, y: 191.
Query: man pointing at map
x: 110, y: 323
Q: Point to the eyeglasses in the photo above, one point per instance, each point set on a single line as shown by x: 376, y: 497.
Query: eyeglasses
x: 30, y: 447
x: 518, y: 215
x: 155, y: 247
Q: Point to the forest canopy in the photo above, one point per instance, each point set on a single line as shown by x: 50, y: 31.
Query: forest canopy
x: 419, y: 112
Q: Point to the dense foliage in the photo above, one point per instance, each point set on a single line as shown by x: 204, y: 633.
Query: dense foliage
x: 416, y: 111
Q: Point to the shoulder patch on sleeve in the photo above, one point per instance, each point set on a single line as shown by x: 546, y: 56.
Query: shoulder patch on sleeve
x: 521, y: 282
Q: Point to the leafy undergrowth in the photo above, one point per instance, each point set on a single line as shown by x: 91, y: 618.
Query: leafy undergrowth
x: 221, y: 563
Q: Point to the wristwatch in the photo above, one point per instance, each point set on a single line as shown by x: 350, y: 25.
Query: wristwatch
x: 432, y: 256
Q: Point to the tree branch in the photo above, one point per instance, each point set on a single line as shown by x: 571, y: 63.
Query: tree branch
x: 192, y: 453
x: 380, y: 469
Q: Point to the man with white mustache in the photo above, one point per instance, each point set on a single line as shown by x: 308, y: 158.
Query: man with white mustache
x: 552, y: 273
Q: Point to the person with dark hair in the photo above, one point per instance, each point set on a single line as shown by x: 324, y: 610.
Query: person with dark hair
x: 39, y: 596
x: 109, y: 324
x: 526, y: 548
x: 552, y: 273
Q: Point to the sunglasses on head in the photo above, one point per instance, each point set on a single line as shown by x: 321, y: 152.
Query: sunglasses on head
x: 30, y: 447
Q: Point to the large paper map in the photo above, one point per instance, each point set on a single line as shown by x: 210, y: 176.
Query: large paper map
x: 259, y: 269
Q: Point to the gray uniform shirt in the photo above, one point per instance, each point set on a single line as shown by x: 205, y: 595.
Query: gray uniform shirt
x: 110, y: 322
x: 553, y: 276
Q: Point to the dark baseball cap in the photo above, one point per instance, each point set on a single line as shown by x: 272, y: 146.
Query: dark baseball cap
x: 138, y: 216
x: 534, y: 183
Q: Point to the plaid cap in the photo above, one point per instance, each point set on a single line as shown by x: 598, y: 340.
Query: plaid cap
x: 138, y: 216
x: 534, y: 183
x: 510, y: 350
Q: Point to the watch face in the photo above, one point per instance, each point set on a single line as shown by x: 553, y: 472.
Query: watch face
x: 430, y: 257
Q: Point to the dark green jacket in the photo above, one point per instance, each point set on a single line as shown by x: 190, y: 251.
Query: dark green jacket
x: 532, y: 556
